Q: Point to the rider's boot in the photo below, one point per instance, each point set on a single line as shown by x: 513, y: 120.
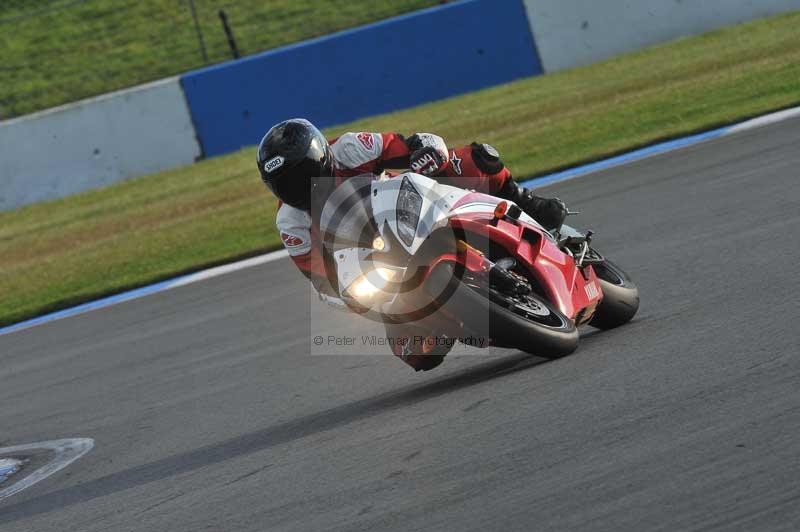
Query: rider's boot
x: 550, y: 212
x: 420, y: 349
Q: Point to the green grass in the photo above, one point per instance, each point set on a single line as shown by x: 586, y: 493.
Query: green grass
x: 59, y: 253
x: 58, y: 51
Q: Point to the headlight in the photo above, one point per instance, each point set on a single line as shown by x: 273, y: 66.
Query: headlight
x: 409, y: 205
x: 372, y: 283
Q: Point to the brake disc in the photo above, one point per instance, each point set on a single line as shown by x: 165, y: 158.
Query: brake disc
x: 533, y: 307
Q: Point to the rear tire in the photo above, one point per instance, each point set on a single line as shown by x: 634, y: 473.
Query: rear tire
x: 620, y: 297
x: 542, y: 330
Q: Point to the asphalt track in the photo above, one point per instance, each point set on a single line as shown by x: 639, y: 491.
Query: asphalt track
x: 209, y: 413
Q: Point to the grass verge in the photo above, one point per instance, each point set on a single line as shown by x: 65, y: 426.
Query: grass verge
x: 59, y: 253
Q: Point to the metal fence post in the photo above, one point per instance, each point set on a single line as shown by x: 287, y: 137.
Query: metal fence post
x: 199, y: 31
x: 229, y: 34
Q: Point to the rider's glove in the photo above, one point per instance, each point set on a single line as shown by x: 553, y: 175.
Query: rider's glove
x: 429, y: 155
x: 427, y: 161
x: 550, y: 212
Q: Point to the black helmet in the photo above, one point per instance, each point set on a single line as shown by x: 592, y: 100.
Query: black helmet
x: 290, y: 156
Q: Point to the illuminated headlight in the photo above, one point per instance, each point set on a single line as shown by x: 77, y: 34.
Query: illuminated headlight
x: 372, y: 283
x: 409, y: 205
x: 378, y: 243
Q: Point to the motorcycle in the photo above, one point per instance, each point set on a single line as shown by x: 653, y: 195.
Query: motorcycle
x: 466, y: 265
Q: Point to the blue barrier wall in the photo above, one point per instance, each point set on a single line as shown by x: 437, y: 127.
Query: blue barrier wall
x: 374, y: 69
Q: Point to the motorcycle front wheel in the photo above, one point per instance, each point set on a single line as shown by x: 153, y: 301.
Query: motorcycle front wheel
x: 528, y: 323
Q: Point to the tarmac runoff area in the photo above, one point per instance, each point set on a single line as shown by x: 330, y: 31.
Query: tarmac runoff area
x: 207, y: 412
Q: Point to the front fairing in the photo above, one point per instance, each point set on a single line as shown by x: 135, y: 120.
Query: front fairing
x: 364, y: 208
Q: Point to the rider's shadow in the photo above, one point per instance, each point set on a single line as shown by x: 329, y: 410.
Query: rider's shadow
x: 252, y: 442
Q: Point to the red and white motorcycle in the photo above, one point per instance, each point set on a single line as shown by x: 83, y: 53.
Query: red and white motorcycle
x: 408, y: 249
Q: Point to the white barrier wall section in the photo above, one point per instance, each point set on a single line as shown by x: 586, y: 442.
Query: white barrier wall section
x: 95, y: 142
x: 570, y: 33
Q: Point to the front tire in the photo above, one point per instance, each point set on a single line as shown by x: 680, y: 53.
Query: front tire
x: 533, y: 326
x: 620, y: 297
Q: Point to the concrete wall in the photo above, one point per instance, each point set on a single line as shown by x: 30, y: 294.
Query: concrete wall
x: 382, y: 67
x: 576, y: 32
x: 95, y: 142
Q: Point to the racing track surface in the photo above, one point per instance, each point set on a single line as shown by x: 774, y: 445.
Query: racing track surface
x: 209, y: 413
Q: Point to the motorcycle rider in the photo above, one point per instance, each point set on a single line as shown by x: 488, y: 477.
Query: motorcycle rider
x: 294, y: 152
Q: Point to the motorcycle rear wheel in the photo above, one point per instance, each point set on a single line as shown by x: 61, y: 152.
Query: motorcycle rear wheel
x: 528, y: 323
x: 620, y: 297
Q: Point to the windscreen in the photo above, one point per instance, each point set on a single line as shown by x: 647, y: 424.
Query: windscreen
x: 347, y: 219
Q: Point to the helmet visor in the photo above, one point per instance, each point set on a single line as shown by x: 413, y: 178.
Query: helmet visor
x: 296, y: 185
